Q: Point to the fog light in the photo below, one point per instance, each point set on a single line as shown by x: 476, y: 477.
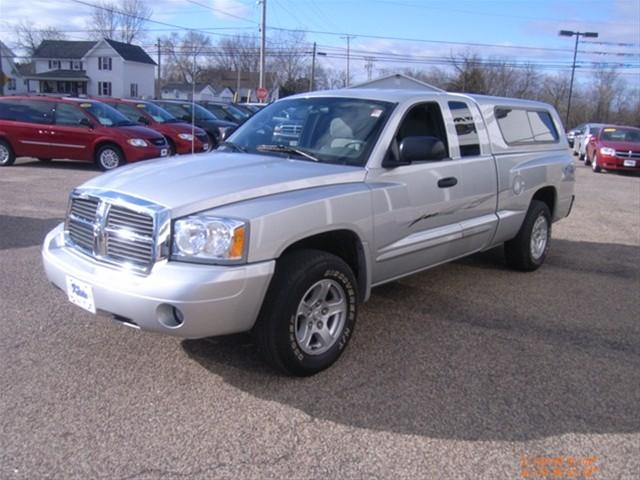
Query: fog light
x: 178, y: 316
x: 170, y: 316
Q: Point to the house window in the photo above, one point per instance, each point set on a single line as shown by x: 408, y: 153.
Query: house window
x: 134, y: 90
x: 104, y: 63
x: 11, y: 84
x: 55, y: 64
x: 104, y: 89
x: 75, y: 65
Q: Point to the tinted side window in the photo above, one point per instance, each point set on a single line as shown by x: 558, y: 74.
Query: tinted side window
x: 68, y: 115
x: 36, y: 112
x: 465, y: 128
x: 13, y: 111
x: 521, y: 126
x: 176, y: 110
x: 423, y: 120
x: 542, y: 126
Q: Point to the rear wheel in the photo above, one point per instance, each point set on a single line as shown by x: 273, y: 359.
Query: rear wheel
x: 528, y: 250
x: 7, y: 157
x: 109, y: 157
x: 309, y: 312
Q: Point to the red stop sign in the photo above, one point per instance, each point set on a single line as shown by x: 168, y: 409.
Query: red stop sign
x: 262, y: 93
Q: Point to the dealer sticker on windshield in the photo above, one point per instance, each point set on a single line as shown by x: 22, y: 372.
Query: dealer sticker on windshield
x: 80, y: 294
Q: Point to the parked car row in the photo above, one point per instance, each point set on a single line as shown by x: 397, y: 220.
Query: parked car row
x: 110, y: 132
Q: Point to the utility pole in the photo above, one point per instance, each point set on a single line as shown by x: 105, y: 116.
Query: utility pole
x: 158, y: 86
x: 263, y: 41
x: 569, y: 33
x: 313, y: 68
x: 348, y: 39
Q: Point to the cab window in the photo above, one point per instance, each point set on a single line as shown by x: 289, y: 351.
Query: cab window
x: 422, y: 120
x: 465, y: 129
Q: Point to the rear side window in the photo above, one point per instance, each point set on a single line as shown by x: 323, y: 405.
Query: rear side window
x: 27, y: 111
x: 465, y: 129
x: 520, y: 126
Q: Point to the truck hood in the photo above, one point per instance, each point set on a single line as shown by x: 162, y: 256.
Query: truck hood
x: 194, y: 183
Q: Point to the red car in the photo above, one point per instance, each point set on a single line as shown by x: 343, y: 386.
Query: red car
x: 615, y: 148
x: 74, y: 129
x: 178, y: 133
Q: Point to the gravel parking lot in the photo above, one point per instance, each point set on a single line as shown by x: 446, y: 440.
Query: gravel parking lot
x: 469, y: 370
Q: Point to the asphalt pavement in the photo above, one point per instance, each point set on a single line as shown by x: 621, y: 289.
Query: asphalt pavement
x: 467, y: 371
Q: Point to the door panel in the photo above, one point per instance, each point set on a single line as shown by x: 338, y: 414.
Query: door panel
x: 70, y: 139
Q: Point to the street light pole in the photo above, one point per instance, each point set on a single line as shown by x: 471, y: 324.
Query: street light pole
x: 569, y: 33
x: 263, y: 37
x: 348, y: 39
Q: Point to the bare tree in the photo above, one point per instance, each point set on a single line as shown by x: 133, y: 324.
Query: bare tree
x: 238, y: 53
x: 29, y: 36
x: 186, y: 56
x: 123, y: 20
x: 290, y: 58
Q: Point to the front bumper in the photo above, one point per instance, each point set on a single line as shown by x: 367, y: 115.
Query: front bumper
x: 617, y: 163
x: 137, y: 154
x: 213, y: 300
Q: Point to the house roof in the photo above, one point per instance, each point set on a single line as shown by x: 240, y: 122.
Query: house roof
x: 79, y: 75
x: 63, y: 49
x: 6, y: 51
x: 132, y: 53
x: 77, y: 50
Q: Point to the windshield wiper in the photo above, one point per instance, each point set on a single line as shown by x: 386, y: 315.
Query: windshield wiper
x: 233, y: 146
x: 286, y: 149
x: 124, y: 123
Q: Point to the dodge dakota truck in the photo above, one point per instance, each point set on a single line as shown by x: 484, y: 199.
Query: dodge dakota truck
x: 285, y: 239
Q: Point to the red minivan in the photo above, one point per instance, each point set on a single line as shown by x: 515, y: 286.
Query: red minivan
x: 74, y: 129
x: 178, y: 133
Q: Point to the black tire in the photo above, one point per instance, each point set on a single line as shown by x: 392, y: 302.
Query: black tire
x: 595, y: 167
x: 519, y: 251
x: 296, y: 275
x: 109, y: 157
x: 7, y: 157
x: 213, y: 142
x: 172, y: 147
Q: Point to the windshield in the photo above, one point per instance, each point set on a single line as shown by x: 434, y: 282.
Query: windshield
x: 621, y: 135
x: 160, y: 115
x: 333, y: 130
x: 106, y: 115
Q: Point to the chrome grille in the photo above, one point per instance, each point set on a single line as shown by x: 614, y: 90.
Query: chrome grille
x: 627, y: 154
x: 112, y: 233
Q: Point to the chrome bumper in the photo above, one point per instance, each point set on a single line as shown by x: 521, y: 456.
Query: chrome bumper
x: 212, y: 300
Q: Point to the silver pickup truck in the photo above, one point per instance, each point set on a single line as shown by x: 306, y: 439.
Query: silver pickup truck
x: 285, y: 238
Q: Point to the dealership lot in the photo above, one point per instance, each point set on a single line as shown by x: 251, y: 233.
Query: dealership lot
x: 469, y: 370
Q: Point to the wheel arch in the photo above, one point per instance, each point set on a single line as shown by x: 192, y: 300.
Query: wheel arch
x: 103, y: 143
x: 345, y: 244
x: 549, y: 196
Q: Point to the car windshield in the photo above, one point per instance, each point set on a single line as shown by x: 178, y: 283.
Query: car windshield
x: 106, y: 115
x: 201, y: 113
x: 160, y: 115
x: 326, y: 129
x: 621, y: 135
x: 238, y: 114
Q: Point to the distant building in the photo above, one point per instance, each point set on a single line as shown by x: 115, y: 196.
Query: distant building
x: 11, y: 81
x: 184, y: 91
x: 398, y: 81
x: 104, y: 68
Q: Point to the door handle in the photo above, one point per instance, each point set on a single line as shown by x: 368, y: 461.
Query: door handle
x: 447, y: 182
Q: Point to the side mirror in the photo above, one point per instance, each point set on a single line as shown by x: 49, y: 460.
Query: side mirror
x: 143, y: 120
x: 84, y: 122
x: 414, y: 149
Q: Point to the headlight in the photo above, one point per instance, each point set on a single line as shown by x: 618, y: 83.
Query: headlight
x: 137, y: 142
x: 609, y: 152
x: 185, y: 136
x: 209, y: 239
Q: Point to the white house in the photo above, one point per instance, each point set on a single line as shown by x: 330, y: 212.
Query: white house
x: 104, y: 68
x: 11, y: 81
x: 398, y: 81
x: 184, y: 91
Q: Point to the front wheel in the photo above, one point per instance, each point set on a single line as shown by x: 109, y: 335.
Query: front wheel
x: 7, y: 156
x: 595, y: 166
x: 309, y: 312
x: 528, y: 250
x: 109, y: 157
